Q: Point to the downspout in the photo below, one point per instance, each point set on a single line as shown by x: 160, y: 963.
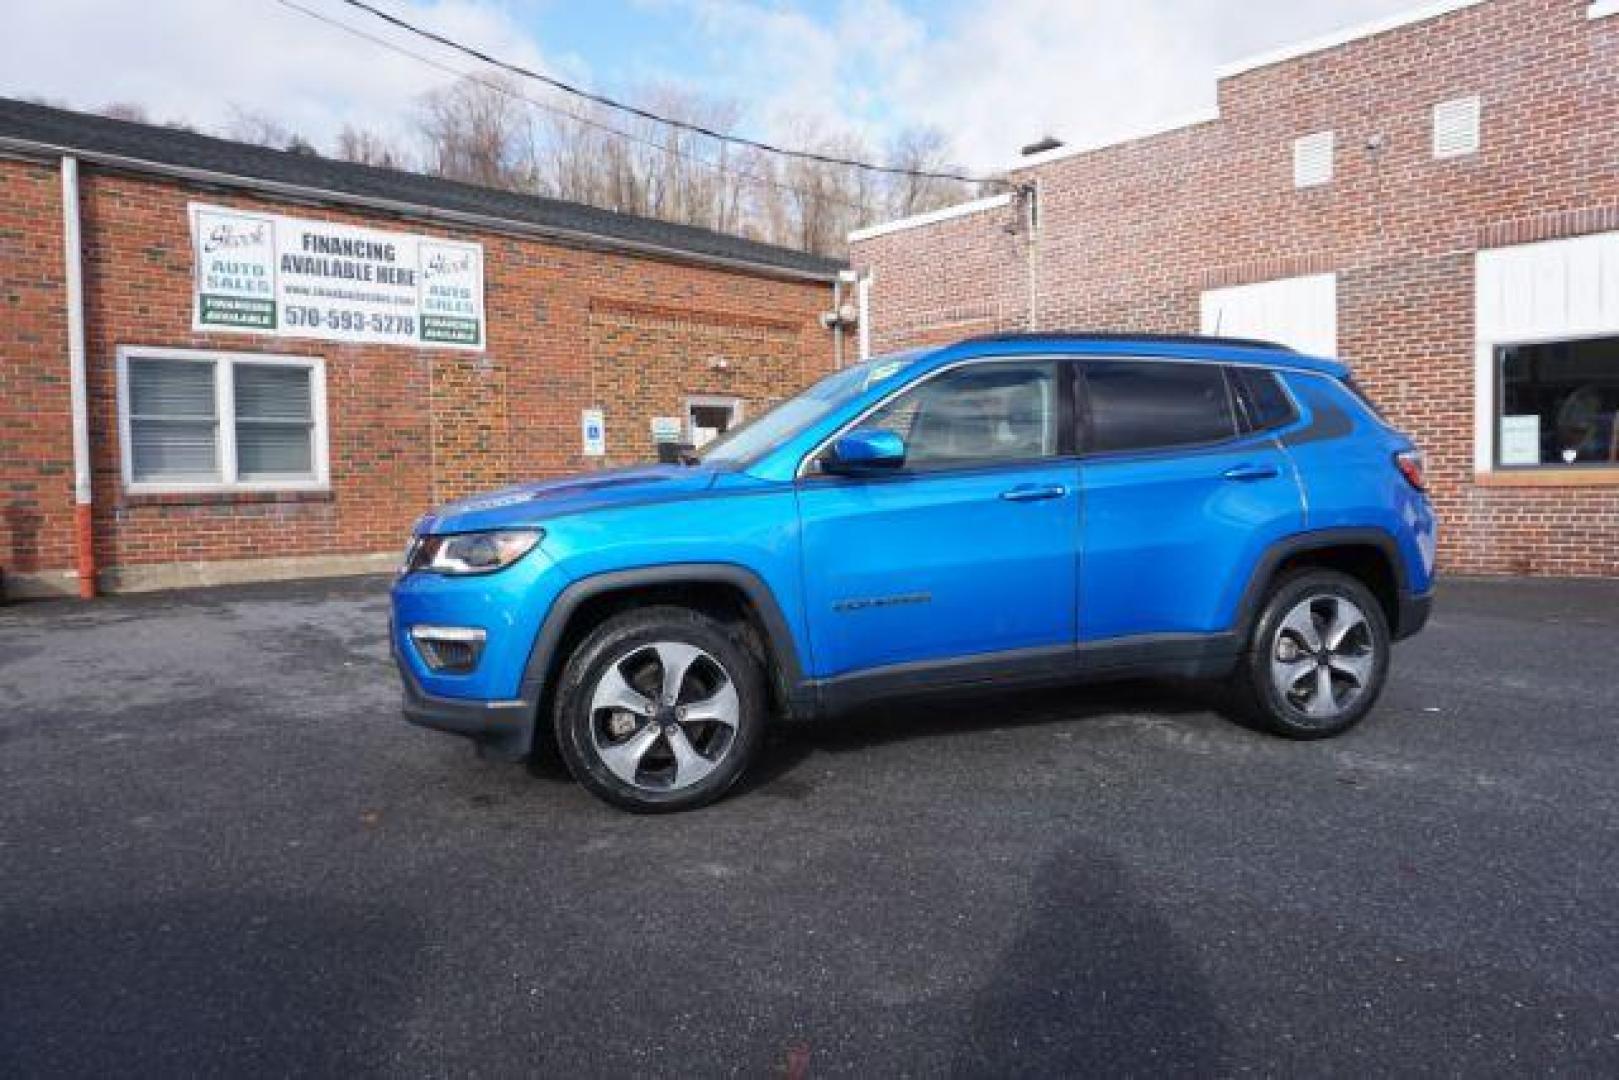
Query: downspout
x: 837, y: 322
x: 72, y: 254
x: 1030, y: 196
x: 863, y: 299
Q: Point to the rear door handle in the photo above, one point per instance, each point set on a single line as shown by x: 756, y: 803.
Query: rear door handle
x: 1034, y: 492
x: 1251, y: 472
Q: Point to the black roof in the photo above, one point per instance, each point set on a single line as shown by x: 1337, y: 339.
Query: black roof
x: 117, y: 142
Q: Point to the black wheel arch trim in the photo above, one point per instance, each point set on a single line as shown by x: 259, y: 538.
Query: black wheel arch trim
x: 779, y: 636
x: 1264, y: 574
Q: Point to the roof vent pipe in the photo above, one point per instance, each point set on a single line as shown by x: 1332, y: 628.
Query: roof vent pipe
x: 1049, y: 142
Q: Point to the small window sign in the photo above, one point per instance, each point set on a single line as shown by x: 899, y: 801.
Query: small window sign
x: 666, y: 429
x: 1520, y: 440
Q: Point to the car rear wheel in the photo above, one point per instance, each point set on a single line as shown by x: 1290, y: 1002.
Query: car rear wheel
x: 1318, y: 657
x: 660, y: 710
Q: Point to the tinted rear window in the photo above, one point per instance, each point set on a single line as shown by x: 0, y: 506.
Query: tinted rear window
x: 1148, y: 405
x: 1263, y: 398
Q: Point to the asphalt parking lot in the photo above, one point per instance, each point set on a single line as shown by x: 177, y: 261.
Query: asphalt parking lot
x: 223, y: 852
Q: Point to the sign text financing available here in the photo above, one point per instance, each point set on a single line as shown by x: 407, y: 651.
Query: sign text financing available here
x: 269, y: 274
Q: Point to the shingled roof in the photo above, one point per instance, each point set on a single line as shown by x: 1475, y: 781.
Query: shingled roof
x: 27, y: 127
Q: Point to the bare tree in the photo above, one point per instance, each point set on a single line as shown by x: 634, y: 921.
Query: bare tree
x: 477, y: 130
x: 827, y: 199
x: 921, y: 150
x: 258, y: 128
x: 484, y: 130
x: 368, y: 148
x: 126, y: 110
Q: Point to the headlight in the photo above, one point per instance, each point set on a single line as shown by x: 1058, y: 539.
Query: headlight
x: 472, y: 552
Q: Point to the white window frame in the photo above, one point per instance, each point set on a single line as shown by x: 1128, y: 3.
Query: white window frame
x: 1487, y: 402
x: 1580, y: 303
x: 225, y: 416
x: 716, y: 401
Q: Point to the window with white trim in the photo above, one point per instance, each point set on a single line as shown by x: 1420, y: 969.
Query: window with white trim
x: 1557, y: 404
x: 1456, y: 126
x: 208, y: 421
x: 1312, y: 159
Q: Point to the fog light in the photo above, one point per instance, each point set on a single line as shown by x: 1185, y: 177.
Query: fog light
x: 451, y: 649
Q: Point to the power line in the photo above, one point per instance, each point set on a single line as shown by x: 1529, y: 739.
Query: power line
x: 585, y: 121
x: 646, y: 114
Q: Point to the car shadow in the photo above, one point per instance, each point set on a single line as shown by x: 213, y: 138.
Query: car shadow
x: 212, y: 984
x: 788, y: 744
x: 1094, y: 983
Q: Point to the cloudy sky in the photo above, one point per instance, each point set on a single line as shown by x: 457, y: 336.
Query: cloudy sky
x: 992, y: 75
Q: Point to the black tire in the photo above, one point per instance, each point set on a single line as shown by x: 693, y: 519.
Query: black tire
x: 628, y: 645
x: 1268, y: 662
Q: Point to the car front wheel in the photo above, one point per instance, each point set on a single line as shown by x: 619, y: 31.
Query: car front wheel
x: 1318, y: 657
x: 660, y: 709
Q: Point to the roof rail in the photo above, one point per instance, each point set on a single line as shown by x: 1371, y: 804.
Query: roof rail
x: 1131, y: 335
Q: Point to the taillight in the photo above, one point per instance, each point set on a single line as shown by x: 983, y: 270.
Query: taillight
x: 1409, y: 462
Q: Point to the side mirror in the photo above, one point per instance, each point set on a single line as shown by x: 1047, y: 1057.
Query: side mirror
x: 862, y: 452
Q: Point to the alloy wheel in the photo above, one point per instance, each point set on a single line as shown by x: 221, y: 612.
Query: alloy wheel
x: 664, y: 715
x: 1324, y: 656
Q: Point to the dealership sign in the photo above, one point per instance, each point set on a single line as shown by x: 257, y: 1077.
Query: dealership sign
x: 268, y: 274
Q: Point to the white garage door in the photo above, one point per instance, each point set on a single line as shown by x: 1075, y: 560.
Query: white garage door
x: 1301, y: 312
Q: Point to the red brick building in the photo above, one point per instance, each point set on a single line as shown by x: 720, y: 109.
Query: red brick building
x: 285, y: 359
x: 1434, y: 198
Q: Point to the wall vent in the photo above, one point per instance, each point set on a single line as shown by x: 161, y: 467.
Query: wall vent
x: 1312, y: 160
x: 1455, y: 127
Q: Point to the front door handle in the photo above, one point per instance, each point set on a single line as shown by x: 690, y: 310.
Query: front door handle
x: 1034, y: 492
x: 1251, y: 472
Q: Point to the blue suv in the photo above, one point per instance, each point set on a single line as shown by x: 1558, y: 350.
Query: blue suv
x: 1006, y: 511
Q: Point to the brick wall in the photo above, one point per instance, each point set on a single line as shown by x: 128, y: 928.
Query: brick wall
x: 407, y: 427
x: 1132, y: 234
x: 648, y: 361
x: 36, y: 479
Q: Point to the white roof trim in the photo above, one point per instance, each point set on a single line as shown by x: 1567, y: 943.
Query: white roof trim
x: 1344, y: 37
x: 1161, y: 127
x: 932, y: 217
x: 1602, y: 8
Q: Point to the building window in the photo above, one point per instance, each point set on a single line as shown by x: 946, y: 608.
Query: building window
x: 1312, y: 160
x: 1456, y: 127
x: 707, y: 418
x: 206, y: 421
x: 1558, y: 403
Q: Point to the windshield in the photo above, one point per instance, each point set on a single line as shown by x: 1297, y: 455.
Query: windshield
x: 746, y: 443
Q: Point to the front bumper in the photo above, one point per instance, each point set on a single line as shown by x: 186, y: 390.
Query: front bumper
x: 502, y: 729
x: 1413, y: 614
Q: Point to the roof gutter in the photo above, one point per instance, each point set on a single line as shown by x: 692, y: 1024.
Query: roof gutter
x: 49, y: 151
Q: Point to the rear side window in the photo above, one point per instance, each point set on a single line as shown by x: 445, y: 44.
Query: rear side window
x: 1148, y: 405
x: 1263, y: 399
